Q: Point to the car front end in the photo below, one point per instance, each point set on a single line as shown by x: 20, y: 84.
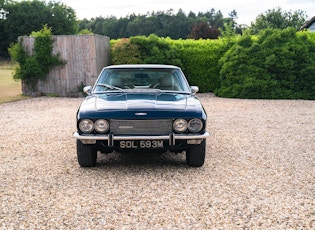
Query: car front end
x: 140, y: 115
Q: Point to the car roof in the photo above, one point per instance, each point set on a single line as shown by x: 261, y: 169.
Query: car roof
x: 136, y: 66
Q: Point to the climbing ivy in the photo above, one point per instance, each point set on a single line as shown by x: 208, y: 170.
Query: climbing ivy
x: 36, y: 66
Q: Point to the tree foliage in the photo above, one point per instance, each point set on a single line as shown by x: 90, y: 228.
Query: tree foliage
x: 278, y: 19
x: 27, y: 16
x: 203, y: 30
x: 163, y: 24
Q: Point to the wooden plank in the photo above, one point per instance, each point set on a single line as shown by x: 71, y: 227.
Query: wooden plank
x: 85, y: 56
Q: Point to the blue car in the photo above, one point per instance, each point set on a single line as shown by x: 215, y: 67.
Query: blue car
x: 141, y: 108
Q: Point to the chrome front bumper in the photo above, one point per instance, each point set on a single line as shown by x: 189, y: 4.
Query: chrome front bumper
x: 191, y: 138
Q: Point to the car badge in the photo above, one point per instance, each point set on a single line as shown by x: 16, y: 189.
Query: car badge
x: 140, y: 114
x: 126, y: 127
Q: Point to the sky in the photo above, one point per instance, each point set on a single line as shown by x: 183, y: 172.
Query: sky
x: 247, y: 10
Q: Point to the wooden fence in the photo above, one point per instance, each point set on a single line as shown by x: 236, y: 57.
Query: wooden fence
x: 85, y: 56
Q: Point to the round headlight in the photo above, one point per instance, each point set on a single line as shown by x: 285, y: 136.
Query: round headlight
x: 195, y: 125
x: 180, y: 125
x: 101, y: 126
x: 86, y: 126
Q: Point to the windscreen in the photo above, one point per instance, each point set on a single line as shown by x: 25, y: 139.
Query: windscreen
x: 146, y: 78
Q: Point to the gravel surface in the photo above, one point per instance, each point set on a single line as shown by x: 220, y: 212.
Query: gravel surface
x: 258, y: 174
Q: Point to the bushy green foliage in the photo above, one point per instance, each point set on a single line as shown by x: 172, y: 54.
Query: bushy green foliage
x: 155, y: 50
x: 278, y: 19
x: 85, y: 31
x: 146, y: 50
x: 35, y: 67
x: 123, y: 52
x: 275, y: 64
x: 198, y: 59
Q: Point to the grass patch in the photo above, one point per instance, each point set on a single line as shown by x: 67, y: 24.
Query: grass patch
x: 10, y: 90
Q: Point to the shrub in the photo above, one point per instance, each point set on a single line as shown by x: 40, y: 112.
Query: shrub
x: 276, y: 64
x: 123, y: 52
x: 156, y: 50
x: 145, y: 50
x: 198, y: 59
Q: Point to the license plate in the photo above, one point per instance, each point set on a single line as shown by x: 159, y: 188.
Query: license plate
x: 140, y: 144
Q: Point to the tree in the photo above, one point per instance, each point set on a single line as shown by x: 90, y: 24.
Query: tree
x: 203, y: 30
x: 62, y: 20
x: 28, y: 16
x: 278, y: 19
x: 161, y: 23
x: 143, y: 25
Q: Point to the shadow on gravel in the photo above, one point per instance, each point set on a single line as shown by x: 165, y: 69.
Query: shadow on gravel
x: 141, y: 159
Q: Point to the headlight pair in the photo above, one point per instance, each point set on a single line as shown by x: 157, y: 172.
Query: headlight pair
x: 88, y: 126
x: 181, y: 125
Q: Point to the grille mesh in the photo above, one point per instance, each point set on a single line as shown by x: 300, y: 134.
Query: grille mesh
x: 139, y: 127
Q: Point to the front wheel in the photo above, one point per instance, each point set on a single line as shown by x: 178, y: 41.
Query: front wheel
x: 87, y: 154
x: 195, y: 155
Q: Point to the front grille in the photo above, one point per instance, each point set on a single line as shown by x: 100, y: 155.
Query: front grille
x: 141, y: 127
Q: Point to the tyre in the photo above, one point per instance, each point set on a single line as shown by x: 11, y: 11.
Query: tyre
x: 87, y: 154
x: 195, y: 155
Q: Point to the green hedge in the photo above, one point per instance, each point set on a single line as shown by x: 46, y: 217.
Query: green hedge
x: 198, y: 59
x: 274, y: 64
x: 145, y: 50
x: 277, y: 64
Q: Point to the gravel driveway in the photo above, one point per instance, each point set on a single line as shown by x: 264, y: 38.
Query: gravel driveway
x: 258, y: 174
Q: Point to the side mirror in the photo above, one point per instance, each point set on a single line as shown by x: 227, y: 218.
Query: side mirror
x: 87, y: 90
x: 194, y: 89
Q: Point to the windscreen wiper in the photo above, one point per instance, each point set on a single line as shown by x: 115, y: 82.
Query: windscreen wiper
x: 110, y: 87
